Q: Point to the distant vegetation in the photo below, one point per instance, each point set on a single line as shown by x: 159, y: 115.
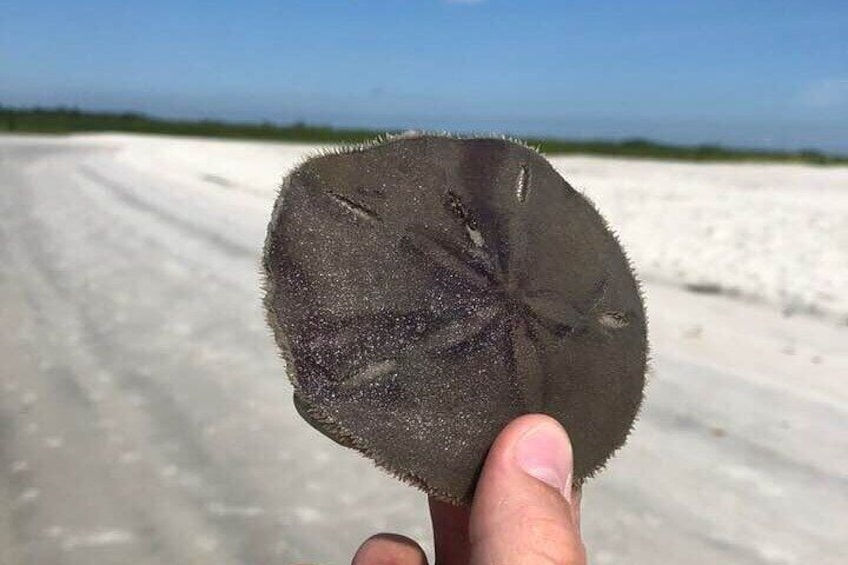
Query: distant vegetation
x: 63, y: 121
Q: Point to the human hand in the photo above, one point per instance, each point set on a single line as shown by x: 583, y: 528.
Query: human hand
x: 524, y: 510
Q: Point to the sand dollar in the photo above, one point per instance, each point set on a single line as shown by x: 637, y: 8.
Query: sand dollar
x: 426, y: 290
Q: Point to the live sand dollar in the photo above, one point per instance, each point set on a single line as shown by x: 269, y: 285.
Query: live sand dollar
x: 426, y: 290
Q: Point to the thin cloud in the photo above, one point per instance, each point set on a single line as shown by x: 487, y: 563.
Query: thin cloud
x: 465, y: 1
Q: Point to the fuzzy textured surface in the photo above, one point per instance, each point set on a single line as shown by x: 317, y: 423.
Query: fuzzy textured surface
x: 426, y: 290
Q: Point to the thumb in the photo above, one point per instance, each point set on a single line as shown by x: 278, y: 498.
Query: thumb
x: 522, y: 511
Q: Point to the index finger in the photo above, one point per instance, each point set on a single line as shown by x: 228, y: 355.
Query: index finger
x: 450, y: 532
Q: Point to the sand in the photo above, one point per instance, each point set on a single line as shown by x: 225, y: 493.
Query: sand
x: 774, y: 233
x: 145, y: 416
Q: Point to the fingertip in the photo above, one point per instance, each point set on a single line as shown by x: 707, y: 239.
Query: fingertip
x: 523, y: 508
x: 535, y: 445
x: 520, y: 427
x: 543, y: 452
x: 389, y: 549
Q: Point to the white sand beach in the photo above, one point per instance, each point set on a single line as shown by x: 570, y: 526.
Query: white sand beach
x: 145, y: 416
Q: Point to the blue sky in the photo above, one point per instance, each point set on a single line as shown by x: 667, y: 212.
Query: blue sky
x: 768, y: 73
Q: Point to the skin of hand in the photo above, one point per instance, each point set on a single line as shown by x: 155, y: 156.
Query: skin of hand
x: 524, y: 510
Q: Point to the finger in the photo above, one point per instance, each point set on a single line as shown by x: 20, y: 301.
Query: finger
x: 389, y: 549
x: 522, y: 511
x: 576, y: 502
x: 450, y: 532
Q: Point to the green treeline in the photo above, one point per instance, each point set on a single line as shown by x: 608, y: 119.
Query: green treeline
x: 65, y: 120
